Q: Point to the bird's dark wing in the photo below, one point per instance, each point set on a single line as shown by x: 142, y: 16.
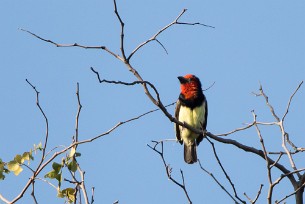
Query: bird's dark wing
x: 177, y: 110
x: 204, y: 125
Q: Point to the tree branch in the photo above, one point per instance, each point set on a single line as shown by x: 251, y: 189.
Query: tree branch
x: 169, y: 169
x: 214, y: 178
x: 154, y: 37
x: 225, y: 172
x: 257, y: 195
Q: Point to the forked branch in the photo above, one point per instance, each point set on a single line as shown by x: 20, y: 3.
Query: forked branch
x: 168, y: 169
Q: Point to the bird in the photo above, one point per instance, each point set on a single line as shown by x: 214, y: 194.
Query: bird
x: 191, y: 108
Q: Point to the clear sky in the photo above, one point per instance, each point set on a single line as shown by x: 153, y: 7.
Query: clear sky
x: 253, y: 41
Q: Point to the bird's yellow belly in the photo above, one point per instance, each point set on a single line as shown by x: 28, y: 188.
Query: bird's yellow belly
x: 193, y: 117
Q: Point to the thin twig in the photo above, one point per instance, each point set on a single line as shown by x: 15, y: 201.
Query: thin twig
x: 290, y: 99
x: 154, y: 37
x: 31, y: 180
x: 209, y: 87
x: 127, y: 83
x: 168, y: 169
x: 46, y: 181
x: 77, y: 114
x: 281, y: 125
x: 4, y: 199
x: 92, y: 197
x: 254, y: 151
x: 72, y: 45
x: 214, y: 178
x: 122, y: 30
x: 262, y: 93
x: 291, y: 194
x: 269, y: 174
x: 225, y: 172
x: 46, y: 121
x: 276, y: 161
x: 247, y: 127
x: 82, y: 184
x: 257, y: 195
x: 33, y: 193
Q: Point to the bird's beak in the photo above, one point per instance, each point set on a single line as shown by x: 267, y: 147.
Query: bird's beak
x: 183, y: 80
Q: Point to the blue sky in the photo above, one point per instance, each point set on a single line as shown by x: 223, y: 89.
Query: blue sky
x: 252, y: 42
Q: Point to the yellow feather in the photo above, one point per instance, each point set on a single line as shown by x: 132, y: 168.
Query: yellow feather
x: 193, y: 117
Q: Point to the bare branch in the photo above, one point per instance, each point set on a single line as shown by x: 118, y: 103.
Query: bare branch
x: 225, y: 172
x: 92, y: 197
x: 78, y: 113
x: 154, y: 37
x: 127, y: 83
x: 31, y: 180
x: 257, y: 195
x: 168, y: 169
x: 288, y: 105
x: 254, y: 151
x: 214, y: 178
x: 247, y: 127
x: 291, y: 194
x: 277, y: 181
x: 4, y: 199
x: 262, y: 93
x: 236, y: 130
x: 276, y: 161
x: 73, y: 45
x: 46, y: 181
x: 270, y: 190
x: 298, y: 150
x: 33, y: 193
x: 46, y: 121
x: 82, y: 184
x: 209, y: 86
x: 122, y: 30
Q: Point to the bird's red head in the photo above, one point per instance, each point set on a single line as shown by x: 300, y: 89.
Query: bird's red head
x: 190, y: 86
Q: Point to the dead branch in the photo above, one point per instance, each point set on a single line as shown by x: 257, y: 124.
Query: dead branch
x: 269, y: 175
x: 154, y: 37
x: 168, y: 169
x: 214, y: 178
x: 290, y: 99
x: 225, y: 172
x: 257, y: 195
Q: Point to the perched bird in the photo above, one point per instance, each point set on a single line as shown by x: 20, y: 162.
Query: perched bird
x: 191, y: 108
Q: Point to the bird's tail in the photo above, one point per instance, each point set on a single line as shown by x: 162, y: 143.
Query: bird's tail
x: 190, y: 153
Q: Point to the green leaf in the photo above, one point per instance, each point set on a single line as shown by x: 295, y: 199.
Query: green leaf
x: 26, y: 156
x: 13, y: 165
x: 31, y: 155
x: 18, y: 171
x: 57, y: 167
x: 52, y: 174
x: 18, y: 159
x: 2, y: 177
x: 1, y: 166
x: 72, y: 166
x: 68, y: 192
x: 38, y: 147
